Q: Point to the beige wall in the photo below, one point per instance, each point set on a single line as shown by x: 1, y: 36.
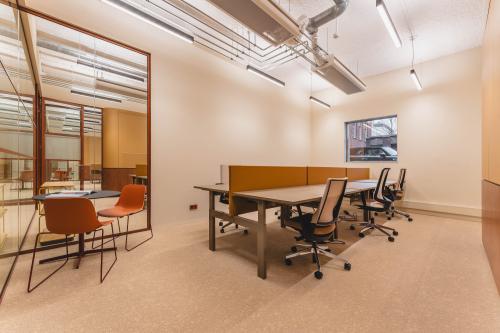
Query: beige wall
x: 124, y: 138
x: 194, y: 129
x: 92, y: 152
x: 439, y: 130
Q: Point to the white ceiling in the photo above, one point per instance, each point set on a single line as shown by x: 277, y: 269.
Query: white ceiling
x: 441, y: 27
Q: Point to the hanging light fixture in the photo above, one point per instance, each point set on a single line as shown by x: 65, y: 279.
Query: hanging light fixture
x: 413, y: 73
x: 265, y: 76
x: 124, y: 7
x: 320, y: 102
x: 389, y: 25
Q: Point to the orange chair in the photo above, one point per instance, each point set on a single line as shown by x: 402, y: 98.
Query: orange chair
x: 66, y: 216
x: 131, y: 202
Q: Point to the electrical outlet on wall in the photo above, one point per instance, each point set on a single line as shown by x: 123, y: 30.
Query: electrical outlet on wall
x: 193, y: 207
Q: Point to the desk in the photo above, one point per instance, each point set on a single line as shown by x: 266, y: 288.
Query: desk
x: 143, y: 180
x: 81, y: 237
x: 285, y: 197
x: 55, y: 185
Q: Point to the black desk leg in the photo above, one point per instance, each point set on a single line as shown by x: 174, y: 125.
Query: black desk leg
x: 211, y: 221
x: 366, y: 215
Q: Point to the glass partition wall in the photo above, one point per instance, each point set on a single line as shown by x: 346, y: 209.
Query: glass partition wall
x: 17, y: 141
x: 74, y: 115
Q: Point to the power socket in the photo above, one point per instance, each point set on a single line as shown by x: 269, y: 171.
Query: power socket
x: 193, y: 207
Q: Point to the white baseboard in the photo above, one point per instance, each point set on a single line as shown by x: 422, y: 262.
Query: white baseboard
x: 458, y: 210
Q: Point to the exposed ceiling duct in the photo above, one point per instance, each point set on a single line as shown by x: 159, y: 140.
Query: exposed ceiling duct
x: 264, y: 17
x: 328, y: 66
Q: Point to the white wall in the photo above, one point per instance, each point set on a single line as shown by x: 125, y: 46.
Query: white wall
x: 439, y: 130
x: 205, y: 111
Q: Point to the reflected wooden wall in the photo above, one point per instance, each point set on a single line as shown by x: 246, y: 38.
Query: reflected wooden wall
x: 124, y: 146
x: 491, y: 140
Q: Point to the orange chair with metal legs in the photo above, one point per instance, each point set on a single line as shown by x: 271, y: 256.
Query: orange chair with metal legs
x: 131, y: 202
x: 66, y: 216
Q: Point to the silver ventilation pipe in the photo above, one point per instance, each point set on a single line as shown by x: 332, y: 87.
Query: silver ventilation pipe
x: 326, y: 16
x: 317, y: 21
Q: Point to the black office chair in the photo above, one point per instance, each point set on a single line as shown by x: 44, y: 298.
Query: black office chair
x: 379, y: 204
x: 397, y: 193
x: 318, y: 228
x: 224, y: 199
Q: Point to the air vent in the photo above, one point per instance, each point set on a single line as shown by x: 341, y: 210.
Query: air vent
x: 340, y: 76
x: 264, y: 17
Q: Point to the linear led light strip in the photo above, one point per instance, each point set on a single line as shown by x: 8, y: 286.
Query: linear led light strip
x: 415, y: 79
x: 265, y: 76
x: 150, y: 20
x: 320, y: 102
x: 386, y: 18
x: 87, y: 93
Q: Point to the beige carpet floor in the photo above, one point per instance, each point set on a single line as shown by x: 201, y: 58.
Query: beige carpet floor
x: 434, y: 278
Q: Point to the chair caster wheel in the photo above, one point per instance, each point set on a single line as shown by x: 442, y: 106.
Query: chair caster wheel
x: 395, y: 233
x: 328, y: 250
x: 236, y: 226
x: 245, y: 232
x: 347, y: 266
x: 352, y: 227
x: 288, y: 262
x: 389, y: 218
x: 410, y: 219
x: 376, y: 214
x: 221, y: 224
x: 361, y: 235
x: 221, y: 231
x: 314, y: 258
x: 318, y: 275
x: 392, y: 214
x: 293, y: 248
x: 391, y: 239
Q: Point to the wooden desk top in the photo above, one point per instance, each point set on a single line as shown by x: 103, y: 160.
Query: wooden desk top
x: 54, y: 184
x: 218, y: 188
x: 295, y: 195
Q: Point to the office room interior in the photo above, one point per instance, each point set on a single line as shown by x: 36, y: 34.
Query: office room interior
x: 249, y: 165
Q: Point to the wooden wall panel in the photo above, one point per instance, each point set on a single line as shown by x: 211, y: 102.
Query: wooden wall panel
x: 491, y: 227
x: 114, y: 179
x: 491, y: 95
x: 491, y: 140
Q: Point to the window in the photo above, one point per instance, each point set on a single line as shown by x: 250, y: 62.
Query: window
x: 372, y: 139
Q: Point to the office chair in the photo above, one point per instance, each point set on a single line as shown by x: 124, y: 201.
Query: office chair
x: 397, y: 193
x: 131, y: 202
x: 81, y: 213
x: 224, y: 199
x: 318, y: 228
x: 379, y: 204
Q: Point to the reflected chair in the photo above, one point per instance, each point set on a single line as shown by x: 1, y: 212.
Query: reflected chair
x: 224, y: 199
x: 66, y: 216
x: 379, y: 204
x: 318, y: 228
x: 397, y: 193
x: 131, y: 202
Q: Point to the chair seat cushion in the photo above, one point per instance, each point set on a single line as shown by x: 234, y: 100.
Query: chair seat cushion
x: 105, y: 223
x: 297, y: 222
x: 117, y: 211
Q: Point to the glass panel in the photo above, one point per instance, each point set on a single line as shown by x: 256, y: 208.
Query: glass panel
x: 372, y: 140
x: 16, y: 138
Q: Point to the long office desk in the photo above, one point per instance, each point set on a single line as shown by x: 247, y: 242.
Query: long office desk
x: 286, y: 198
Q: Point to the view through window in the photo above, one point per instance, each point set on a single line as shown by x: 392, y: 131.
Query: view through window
x: 372, y: 139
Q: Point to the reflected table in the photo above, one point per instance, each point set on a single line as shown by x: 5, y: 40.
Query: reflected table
x: 81, y: 237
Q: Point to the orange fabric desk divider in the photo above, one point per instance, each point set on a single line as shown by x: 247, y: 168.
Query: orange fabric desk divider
x: 247, y: 178
x: 319, y: 175
x: 358, y: 173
